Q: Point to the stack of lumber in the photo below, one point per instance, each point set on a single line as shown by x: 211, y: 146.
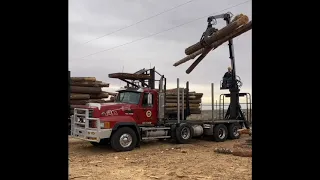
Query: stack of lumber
x: 239, y: 25
x: 172, y: 101
x: 85, y: 90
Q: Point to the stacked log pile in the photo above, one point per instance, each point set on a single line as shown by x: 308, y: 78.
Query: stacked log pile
x: 85, y: 90
x: 239, y: 25
x: 172, y: 101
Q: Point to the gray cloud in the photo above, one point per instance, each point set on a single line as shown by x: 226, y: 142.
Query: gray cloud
x: 92, y: 19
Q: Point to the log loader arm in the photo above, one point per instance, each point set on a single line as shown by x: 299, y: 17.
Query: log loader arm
x: 234, y: 107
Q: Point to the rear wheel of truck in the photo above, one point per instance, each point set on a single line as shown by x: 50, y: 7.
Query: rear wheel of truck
x: 233, y: 130
x: 183, y: 134
x: 124, y: 139
x: 220, y: 133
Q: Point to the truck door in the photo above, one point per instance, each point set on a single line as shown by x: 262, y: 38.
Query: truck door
x: 148, y: 114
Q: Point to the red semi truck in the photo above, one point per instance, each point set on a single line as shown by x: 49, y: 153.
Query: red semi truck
x: 139, y: 113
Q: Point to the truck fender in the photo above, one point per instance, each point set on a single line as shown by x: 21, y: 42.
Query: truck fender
x: 133, y: 125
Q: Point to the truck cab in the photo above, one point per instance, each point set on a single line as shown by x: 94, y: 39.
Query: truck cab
x: 141, y: 104
x: 133, y: 108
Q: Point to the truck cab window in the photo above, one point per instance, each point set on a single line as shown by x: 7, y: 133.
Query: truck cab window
x: 145, y: 100
x: 128, y: 97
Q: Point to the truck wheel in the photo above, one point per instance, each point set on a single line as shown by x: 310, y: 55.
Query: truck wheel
x: 124, y: 139
x: 183, y: 133
x: 233, y: 131
x: 220, y: 133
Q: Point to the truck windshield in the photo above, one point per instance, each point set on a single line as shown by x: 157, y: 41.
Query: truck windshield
x: 128, y: 97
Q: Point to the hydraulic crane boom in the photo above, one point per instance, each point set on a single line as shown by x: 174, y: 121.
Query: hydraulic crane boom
x: 234, y: 111
x: 212, y: 20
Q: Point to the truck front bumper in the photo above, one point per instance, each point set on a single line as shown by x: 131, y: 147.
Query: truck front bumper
x: 80, y: 127
x: 91, y: 134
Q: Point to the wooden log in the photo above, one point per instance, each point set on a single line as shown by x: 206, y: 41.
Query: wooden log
x: 74, y: 96
x: 99, y: 96
x: 176, y: 105
x: 208, y: 49
x: 192, y: 111
x: 175, y: 97
x: 216, y: 44
x: 92, y: 79
x: 244, y: 131
x: 242, y: 153
x: 112, y: 93
x: 175, y: 108
x: 219, y: 34
x: 89, y: 84
x: 174, y: 93
x: 85, y: 90
x: 79, y: 102
x: 190, y: 101
x: 97, y: 101
x: 223, y: 150
x: 198, y: 95
x: 129, y: 76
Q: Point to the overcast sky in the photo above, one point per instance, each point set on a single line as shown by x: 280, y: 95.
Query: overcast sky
x: 90, y: 19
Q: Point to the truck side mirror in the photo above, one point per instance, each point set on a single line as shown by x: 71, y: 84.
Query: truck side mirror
x: 149, y: 99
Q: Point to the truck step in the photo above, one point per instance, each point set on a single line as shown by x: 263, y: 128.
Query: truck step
x: 153, y: 128
x: 159, y: 137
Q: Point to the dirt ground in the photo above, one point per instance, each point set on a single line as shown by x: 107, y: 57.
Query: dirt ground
x: 158, y: 160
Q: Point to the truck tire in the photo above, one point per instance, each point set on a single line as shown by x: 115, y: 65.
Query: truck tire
x: 124, y: 139
x: 233, y: 131
x: 183, y: 134
x: 220, y: 133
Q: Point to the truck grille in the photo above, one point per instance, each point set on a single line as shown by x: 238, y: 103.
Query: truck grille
x: 83, y: 112
x: 81, y: 119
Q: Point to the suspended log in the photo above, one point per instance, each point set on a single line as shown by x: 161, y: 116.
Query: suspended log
x: 205, y: 51
x: 99, y: 96
x: 85, y: 90
x: 74, y: 96
x: 92, y: 79
x: 190, y: 101
x: 216, y: 44
x: 219, y: 34
x: 89, y: 84
x: 129, y: 76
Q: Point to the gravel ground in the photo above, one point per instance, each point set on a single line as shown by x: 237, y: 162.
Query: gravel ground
x: 158, y: 160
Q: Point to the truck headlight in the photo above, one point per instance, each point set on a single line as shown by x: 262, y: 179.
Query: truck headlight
x: 104, y: 125
x: 101, y: 124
